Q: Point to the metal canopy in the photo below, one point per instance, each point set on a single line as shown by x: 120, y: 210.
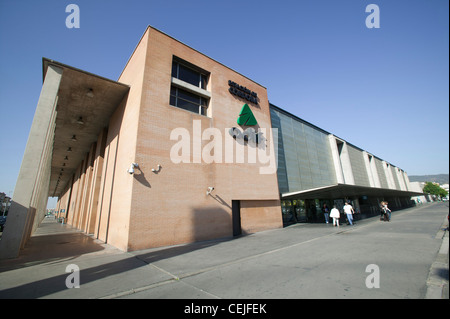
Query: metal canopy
x: 84, y: 107
x: 345, y: 190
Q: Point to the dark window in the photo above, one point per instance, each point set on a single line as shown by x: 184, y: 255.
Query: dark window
x: 188, y: 101
x: 189, y: 75
x: 183, y: 97
x: 203, y: 81
x: 174, y: 70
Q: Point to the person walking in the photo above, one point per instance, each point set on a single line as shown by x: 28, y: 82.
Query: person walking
x: 382, y: 216
x: 348, y: 210
x: 335, y: 215
x: 386, y: 210
x: 326, y: 212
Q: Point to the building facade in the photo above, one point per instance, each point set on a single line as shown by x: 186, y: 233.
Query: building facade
x: 316, y: 167
x: 180, y: 149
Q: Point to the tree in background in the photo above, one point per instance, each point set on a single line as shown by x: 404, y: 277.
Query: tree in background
x: 434, y: 189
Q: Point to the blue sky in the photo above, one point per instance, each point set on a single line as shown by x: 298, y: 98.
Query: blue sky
x: 384, y: 90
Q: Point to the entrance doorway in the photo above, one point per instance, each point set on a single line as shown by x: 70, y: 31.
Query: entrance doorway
x: 339, y: 204
x: 236, y: 217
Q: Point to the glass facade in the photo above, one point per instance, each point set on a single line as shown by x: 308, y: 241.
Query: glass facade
x: 311, y: 160
x: 381, y: 175
x: 307, y: 211
x: 359, y: 170
x: 304, y: 155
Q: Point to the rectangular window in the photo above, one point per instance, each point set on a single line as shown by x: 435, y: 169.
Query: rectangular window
x: 189, y: 74
x: 182, y: 94
x: 188, y: 101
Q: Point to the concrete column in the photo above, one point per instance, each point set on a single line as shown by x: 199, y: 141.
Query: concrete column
x: 346, y: 165
x: 407, y: 182
x: 388, y: 173
x: 34, y: 175
x: 371, y: 169
x: 400, y: 179
x: 96, y: 181
x: 376, y: 178
x: 368, y: 168
x: 336, y: 159
x: 41, y: 189
x: 341, y: 160
x: 88, y: 187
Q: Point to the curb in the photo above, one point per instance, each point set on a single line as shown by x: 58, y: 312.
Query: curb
x: 437, y: 283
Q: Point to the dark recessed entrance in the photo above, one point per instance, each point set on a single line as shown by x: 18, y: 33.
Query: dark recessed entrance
x: 236, y: 216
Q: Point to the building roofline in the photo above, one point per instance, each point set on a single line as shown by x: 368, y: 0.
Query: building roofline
x: 181, y: 42
x: 297, y: 118
x: 326, y: 132
x: 47, y: 61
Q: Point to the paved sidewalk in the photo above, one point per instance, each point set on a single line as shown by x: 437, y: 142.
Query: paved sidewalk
x: 293, y: 262
x: 437, y: 283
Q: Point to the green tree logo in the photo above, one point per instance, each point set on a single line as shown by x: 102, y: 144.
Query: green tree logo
x: 246, y: 116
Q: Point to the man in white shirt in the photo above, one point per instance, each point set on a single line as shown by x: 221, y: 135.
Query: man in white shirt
x: 348, y: 210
